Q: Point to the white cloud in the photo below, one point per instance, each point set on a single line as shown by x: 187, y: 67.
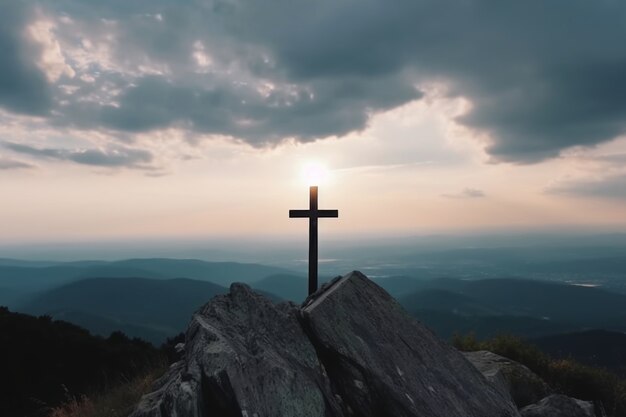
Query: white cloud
x: 51, y: 61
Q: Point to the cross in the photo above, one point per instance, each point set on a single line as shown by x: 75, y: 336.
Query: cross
x: 313, y: 214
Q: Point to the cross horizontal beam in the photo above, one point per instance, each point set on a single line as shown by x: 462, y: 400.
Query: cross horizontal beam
x: 314, y: 213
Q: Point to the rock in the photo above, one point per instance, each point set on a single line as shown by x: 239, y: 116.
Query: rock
x: 179, y: 348
x: 244, y: 356
x: 382, y: 362
x: 512, y: 378
x: 350, y: 351
x: 559, y: 406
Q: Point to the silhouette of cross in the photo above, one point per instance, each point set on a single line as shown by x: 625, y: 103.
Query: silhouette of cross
x: 313, y: 214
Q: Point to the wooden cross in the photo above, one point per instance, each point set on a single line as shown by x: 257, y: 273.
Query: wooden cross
x: 313, y: 214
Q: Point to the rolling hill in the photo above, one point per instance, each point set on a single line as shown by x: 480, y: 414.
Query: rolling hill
x: 23, y: 279
x: 524, y: 307
x: 141, y: 307
x: 221, y: 273
x: 444, y: 300
x: 585, y: 305
x: 288, y: 287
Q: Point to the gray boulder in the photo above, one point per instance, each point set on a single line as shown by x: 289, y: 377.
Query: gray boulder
x: 382, y: 362
x: 244, y: 356
x: 559, y: 406
x: 510, y: 377
x: 351, y: 350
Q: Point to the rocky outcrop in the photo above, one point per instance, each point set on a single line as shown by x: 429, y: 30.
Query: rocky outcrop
x: 510, y: 377
x: 559, y: 406
x: 244, y: 356
x: 382, y: 362
x: 350, y: 350
x: 529, y: 392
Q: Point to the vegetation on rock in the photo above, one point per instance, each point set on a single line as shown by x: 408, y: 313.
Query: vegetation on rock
x: 565, y: 376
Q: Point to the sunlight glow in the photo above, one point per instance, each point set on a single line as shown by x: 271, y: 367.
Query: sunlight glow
x: 315, y: 173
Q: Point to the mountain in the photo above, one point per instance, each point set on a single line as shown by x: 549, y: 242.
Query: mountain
x: 446, y: 324
x: 554, y: 301
x: 399, y: 286
x: 22, y: 279
x: 19, y: 262
x: 45, y: 362
x: 103, y: 326
x: 349, y: 351
x: 527, y: 308
x: 449, y: 301
x: 599, y: 348
x: 221, y: 273
x: 32, y: 278
x: 559, y: 302
x: 142, y: 307
x: 288, y: 287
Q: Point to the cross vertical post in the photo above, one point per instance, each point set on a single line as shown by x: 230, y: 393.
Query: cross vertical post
x: 312, y: 240
x: 313, y: 213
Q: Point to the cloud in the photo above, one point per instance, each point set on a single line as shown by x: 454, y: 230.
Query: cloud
x: 6, y: 164
x: 542, y: 77
x: 113, y: 158
x: 468, y: 193
x: 23, y: 86
x: 616, y: 159
x: 612, y: 187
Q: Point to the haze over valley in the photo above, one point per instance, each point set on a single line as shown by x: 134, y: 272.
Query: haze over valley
x: 498, y: 285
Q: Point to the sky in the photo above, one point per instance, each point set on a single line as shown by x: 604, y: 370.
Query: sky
x: 154, y: 119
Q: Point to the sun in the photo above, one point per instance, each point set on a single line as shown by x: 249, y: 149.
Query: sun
x: 314, y: 173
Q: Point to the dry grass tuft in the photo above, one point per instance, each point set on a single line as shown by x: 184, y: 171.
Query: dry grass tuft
x: 116, y: 402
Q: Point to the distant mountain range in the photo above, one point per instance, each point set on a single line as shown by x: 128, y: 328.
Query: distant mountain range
x: 154, y: 298
x: 148, y: 298
x: 142, y: 307
x: 286, y: 286
x: 488, y: 306
x: 525, y: 307
x: 20, y: 280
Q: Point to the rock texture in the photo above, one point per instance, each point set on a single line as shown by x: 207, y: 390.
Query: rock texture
x: 559, y: 406
x: 510, y: 377
x: 382, y: 362
x: 244, y: 356
x: 350, y: 350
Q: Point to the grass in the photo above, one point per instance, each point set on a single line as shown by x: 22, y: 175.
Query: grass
x: 118, y: 401
x: 565, y: 376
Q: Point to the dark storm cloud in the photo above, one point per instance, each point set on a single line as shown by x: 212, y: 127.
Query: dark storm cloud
x: 328, y: 108
x: 114, y: 158
x: 542, y: 76
x: 612, y: 187
x: 23, y: 87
